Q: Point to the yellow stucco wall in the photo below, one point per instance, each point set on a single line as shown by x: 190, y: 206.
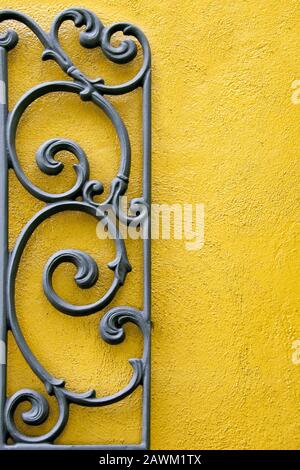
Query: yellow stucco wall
x: 225, y: 133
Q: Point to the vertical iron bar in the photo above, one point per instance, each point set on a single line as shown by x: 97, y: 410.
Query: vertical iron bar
x: 147, y: 252
x: 3, y: 236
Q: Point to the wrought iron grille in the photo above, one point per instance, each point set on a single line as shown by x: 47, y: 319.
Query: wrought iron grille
x: 81, y: 197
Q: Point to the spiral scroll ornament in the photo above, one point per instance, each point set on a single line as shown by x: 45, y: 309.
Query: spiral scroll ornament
x: 79, y: 198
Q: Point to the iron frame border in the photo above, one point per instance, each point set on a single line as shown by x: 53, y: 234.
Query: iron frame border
x: 94, y: 35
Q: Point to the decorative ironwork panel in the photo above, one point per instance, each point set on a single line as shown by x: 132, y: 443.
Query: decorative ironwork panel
x: 81, y: 197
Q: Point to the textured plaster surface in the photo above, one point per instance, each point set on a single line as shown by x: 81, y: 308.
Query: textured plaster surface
x: 226, y: 134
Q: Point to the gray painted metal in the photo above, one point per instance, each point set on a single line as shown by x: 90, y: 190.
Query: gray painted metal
x: 79, y: 198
